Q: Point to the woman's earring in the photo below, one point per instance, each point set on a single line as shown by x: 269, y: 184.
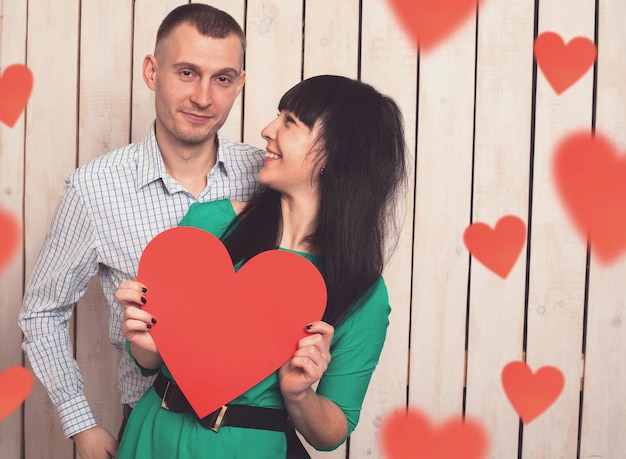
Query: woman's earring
x: 322, y: 170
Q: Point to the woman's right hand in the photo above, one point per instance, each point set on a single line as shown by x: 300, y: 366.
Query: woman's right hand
x: 136, y: 323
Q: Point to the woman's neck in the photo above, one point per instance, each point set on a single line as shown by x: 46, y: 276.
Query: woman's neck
x: 299, y: 219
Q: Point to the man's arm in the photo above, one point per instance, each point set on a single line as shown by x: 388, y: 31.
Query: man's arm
x: 66, y: 264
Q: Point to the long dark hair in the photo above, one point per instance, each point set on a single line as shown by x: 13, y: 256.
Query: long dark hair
x: 364, y: 163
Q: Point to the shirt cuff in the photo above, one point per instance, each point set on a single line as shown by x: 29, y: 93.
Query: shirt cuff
x: 76, y: 416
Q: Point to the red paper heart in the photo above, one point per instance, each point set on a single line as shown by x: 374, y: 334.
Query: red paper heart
x: 15, y: 385
x: 16, y: 84
x: 590, y: 176
x: 429, y: 22
x: 410, y: 435
x: 561, y: 64
x: 9, y: 238
x: 498, y: 248
x: 218, y: 332
x: 531, y: 394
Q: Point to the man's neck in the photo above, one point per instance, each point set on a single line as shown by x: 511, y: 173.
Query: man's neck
x: 189, y: 165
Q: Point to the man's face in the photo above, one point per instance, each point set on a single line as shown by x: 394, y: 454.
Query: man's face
x: 196, y: 80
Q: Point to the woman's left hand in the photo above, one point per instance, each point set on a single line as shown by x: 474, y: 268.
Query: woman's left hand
x: 309, y: 362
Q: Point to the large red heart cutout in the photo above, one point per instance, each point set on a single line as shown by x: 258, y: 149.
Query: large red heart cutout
x: 16, y: 84
x: 429, y: 22
x: 498, y: 248
x: 561, y: 64
x: 15, y: 385
x: 531, y: 394
x: 221, y: 332
x: 9, y: 238
x: 410, y: 435
x: 590, y: 176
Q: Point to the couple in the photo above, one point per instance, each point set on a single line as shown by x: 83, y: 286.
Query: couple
x: 335, y: 157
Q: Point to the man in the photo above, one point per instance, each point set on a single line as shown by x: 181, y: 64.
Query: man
x: 113, y: 206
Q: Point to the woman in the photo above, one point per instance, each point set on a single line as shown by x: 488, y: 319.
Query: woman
x: 335, y: 160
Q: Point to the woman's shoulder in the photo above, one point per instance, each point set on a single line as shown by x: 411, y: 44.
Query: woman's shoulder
x: 203, y: 214
x: 372, y: 306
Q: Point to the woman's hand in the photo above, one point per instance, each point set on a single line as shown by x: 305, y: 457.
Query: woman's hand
x: 136, y: 323
x: 308, y: 363
x: 318, y: 419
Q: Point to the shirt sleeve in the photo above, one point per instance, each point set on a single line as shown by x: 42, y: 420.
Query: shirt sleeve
x: 355, y: 351
x: 65, y: 265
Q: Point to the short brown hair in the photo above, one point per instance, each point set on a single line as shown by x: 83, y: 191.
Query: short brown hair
x: 208, y: 21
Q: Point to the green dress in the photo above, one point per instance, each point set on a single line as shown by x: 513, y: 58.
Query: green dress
x: 153, y: 432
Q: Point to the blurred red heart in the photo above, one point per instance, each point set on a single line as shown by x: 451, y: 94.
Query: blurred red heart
x: 498, y: 248
x: 590, y: 175
x: 531, y: 394
x: 410, y: 435
x: 563, y: 64
x: 221, y: 332
x: 9, y: 238
x: 15, y: 385
x: 16, y: 84
x: 429, y: 22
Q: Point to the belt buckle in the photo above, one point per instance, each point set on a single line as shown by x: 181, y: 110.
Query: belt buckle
x: 218, y: 420
x: 163, y: 402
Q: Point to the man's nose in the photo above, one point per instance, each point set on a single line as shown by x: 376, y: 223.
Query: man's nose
x: 202, y: 95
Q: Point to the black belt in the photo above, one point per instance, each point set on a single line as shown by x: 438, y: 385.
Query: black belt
x: 249, y: 417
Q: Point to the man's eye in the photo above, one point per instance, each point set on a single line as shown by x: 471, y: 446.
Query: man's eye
x: 223, y: 79
x: 186, y: 73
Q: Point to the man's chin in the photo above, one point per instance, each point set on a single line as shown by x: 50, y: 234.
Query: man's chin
x: 195, y: 138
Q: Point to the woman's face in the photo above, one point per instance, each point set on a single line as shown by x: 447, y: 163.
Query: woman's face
x: 290, y: 161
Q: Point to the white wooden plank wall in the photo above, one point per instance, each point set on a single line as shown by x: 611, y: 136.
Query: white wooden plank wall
x: 481, y: 125
x: 12, y: 50
x: 556, y: 294
x: 604, y: 403
x: 500, y: 187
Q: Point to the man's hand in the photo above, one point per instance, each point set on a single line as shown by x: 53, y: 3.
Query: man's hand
x: 95, y: 443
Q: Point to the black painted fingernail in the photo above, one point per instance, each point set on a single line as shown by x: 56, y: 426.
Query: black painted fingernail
x: 153, y: 320
x: 143, y: 300
x: 308, y: 327
x: 148, y: 326
x: 144, y: 290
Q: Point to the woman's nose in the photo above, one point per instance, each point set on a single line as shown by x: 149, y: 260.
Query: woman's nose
x: 268, y: 132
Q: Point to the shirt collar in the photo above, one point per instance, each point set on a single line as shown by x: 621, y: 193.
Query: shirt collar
x: 150, y: 166
x: 223, y: 155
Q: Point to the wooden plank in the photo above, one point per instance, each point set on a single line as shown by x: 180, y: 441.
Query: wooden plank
x: 444, y: 181
x: 104, y: 124
x: 604, y: 399
x: 389, y: 62
x: 12, y: 51
x: 501, y: 178
x: 557, y: 257
x: 148, y: 17
x: 273, y: 61
x: 331, y: 38
x: 50, y: 158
